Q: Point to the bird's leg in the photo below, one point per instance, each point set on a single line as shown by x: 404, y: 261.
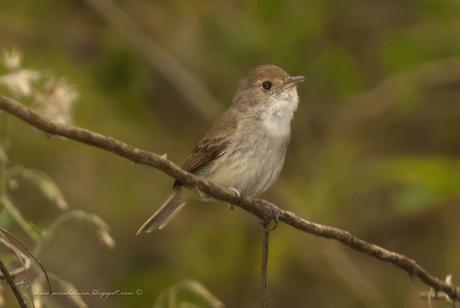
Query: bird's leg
x: 236, y: 191
x: 276, y: 212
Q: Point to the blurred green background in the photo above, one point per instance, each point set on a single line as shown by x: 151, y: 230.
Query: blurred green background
x: 375, y: 145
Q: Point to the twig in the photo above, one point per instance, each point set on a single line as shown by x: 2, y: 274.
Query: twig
x: 249, y: 204
x: 264, y: 273
x: 10, y: 236
x: 432, y: 295
x: 23, y: 259
x: 12, y: 285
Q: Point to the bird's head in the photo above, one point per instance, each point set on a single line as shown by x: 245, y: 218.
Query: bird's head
x: 267, y: 86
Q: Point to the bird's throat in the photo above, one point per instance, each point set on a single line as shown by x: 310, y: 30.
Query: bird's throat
x: 278, y: 114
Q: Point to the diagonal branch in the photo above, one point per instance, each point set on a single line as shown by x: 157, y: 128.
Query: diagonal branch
x: 252, y: 206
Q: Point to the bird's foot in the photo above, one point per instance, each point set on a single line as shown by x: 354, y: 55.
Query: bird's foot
x: 276, y: 212
x: 238, y: 193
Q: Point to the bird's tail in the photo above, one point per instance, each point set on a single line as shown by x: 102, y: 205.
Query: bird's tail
x: 165, y: 213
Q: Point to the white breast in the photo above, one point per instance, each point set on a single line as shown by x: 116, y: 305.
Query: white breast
x: 278, y: 114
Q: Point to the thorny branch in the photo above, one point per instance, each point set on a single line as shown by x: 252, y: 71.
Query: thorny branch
x: 249, y: 204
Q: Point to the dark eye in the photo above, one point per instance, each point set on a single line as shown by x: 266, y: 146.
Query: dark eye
x: 267, y: 85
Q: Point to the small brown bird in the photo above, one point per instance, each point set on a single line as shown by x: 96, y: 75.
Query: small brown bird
x: 245, y: 148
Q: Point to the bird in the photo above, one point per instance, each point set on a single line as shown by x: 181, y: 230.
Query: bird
x: 245, y: 148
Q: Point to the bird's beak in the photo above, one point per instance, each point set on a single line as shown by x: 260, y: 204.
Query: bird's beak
x: 293, y: 80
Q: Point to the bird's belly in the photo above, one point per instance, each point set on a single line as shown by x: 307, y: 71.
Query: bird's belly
x: 251, y: 166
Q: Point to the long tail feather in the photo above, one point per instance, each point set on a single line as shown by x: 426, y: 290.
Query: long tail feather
x: 165, y: 213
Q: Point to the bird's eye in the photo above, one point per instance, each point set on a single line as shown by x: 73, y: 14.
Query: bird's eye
x: 267, y: 85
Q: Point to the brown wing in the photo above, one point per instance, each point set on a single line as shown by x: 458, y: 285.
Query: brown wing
x: 212, y: 145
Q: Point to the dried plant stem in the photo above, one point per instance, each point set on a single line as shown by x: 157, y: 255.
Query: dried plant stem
x: 22, y: 258
x: 13, y: 238
x: 251, y: 205
x: 12, y: 285
x: 264, y: 273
